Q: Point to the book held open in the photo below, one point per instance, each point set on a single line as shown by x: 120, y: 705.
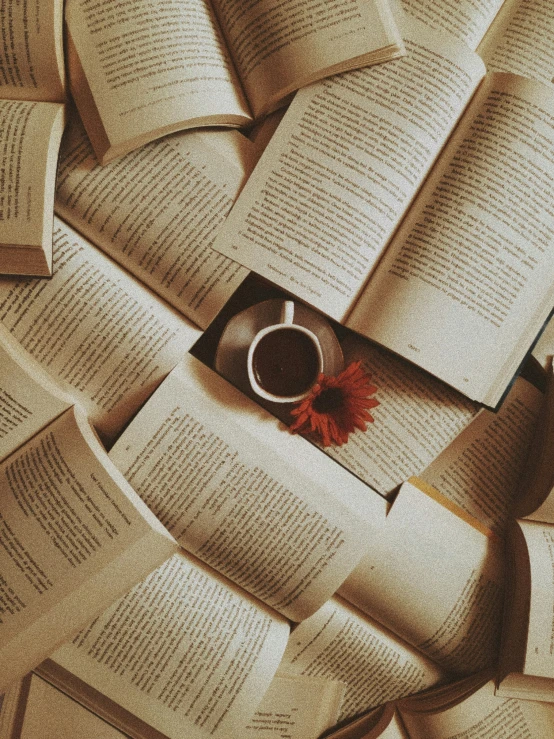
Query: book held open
x: 464, y: 285
x: 74, y: 537
x: 136, y: 72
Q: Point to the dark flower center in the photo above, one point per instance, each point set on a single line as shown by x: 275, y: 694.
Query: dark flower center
x: 329, y: 400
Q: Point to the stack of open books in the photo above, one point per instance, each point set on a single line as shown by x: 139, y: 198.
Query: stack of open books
x: 172, y: 561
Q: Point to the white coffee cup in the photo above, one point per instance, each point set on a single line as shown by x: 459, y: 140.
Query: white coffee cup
x: 283, y: 367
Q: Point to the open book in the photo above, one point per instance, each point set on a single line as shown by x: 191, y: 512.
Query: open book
x: 74, y: 535
x: 302, y: 707
x: 290, y: 547
x: 433, y: 576
x: 249, y: 640
x: 424, y: 603
x: 98, y: 333
x: 511, y: 35
x: 140, y: 71
x: 465, y: 284
x: 282, y: 532
x: 156, y: 211
x: 201, y: 488
x: 261, y: 519
x: 468, y: 708
x: 31, y: 92
x: 481, y: 470
x: 194, y: 657
x: 526, y: 667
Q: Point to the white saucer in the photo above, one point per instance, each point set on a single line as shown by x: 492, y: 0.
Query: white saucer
x: 232, y: 349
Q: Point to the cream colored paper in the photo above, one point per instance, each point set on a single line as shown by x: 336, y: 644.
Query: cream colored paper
x: 29, y: 141
x: 473, y: 255
x: 521, y: 40
x: 277, y: 49
x: 32, y: 61
x: 50, y: 714
x: 230, y: 500
x: 343, y: 167
x: 296, y: 708
x: 465, y: 20
x: 483, y: 712
x: 156, y: 212
x: 141, y: 95
x: 97, y: 331
x: 340, y: 643
x: 29, y: 399
x: 539, y: 656
x: 435, y: 580
x: 74, y: 537
x: 481, y: 469
x: 189, y: 653
x: 415, y: 420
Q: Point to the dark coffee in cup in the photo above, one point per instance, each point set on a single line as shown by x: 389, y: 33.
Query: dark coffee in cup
x: 285, y: 362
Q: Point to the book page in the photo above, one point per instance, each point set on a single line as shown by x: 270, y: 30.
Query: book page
x: 296, y: 708
x: 279, y: 47
x: 435, y: 580
x: 230, y: 500
x: 29, y: 399
x: 228, y: 401
x: 156, y: 212
x: 237, y: 148
x: 416, y: 419
x: 71, y: 530
x: 465, y: 20
x: 50, y: 714
x: 183, y: 651
x: 472, y: 259
x: 99, y: 333
x: 521, y: 40
x: 31, y: 51
x: 340, y: 643
x: 539, y: 654
x: 481, y: 469
x: 142, y: 65
x: 536, y: 501
x: 343, y: 167
x: 482, y: 715
x: 29, y: 140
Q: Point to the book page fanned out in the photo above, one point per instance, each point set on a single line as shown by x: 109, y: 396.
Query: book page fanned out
x: 71, y: 530
x: 481, y: 469
x: 136, y: 102
x: 136, y: 73
x: 29, y: 399
x: 32, y: 61
x: 341, y: 643
x: 434, y: 576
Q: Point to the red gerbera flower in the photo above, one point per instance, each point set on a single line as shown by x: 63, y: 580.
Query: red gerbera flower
x: 337, y: 406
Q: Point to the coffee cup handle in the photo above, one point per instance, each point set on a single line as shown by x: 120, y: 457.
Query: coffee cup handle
x: 287, y: 312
